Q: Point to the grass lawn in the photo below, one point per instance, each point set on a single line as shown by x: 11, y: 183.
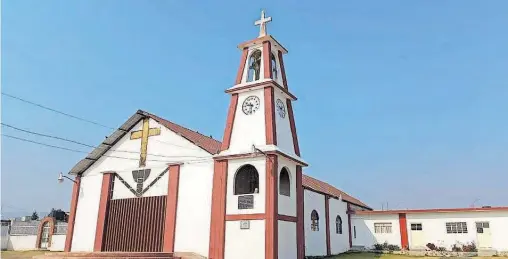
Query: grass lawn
x: 385, y: 256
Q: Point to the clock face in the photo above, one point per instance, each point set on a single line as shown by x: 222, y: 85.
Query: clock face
x: 280, y: 108
x: 250, y: 105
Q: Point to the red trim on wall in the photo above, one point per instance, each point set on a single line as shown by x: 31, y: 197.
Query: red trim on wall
x: 432, y: 210
x: 287, y: 218
x: 217, y: 221
x: 171, y: 209
x: 51, y: 221
x: 107, y: 181
x: 255, y: 216
x: 300, y: 232
x: 349, y: 225
x: 254, y: 154
x: 327, y: 225
x: 241, y: 68
x: 271, y: 209
x: 282, y: 69
x: 267, y: 50
x: 229, y: 122
x: 404, y: 241
x: 72, y: 213
x: 293, y: 126
x: 270, y: 130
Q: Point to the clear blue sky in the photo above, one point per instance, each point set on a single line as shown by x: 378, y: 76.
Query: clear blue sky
x: 403, y: 102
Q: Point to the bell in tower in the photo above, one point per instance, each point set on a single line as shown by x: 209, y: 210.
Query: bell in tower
x: 257, y: 196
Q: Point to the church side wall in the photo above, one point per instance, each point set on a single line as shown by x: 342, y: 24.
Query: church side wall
x: 57, y: 243
x: 194, y: 208
x: 339, y: 242
x: 172, y: 147
x: 245, y: 243
x: 315, y: 241
x: 365, y: 235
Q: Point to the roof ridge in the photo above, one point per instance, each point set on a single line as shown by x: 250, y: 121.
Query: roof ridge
x: 176, y: 124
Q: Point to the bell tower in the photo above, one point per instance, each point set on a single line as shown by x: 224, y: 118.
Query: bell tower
x: 257, y: 196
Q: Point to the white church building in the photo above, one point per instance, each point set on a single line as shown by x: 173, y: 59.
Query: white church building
x: 156, y: 186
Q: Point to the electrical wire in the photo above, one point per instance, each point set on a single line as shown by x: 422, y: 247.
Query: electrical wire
x: 56, y: 111
x: 81, y: 151
x: 83, y: 144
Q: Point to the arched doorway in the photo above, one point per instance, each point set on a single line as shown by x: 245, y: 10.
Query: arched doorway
x: 45, y: 232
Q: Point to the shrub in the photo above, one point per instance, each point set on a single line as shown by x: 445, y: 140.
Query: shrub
x: 469, y: 247
x: 456, y: 248
x: 441, y: 249
x: 386, y: 247
x: 378, y: 247
x: 431, y: 246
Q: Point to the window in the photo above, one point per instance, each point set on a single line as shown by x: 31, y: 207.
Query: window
x: 247, y: 180
x: 416, y: 226
x: 480, y: 226
x: 274, y: 66
x: 382, y: 228
x: 456, y: 227
x: 284, y: 183
x: 254, y: 71
x: 354, y: 232
x: 314, y: 217
x: 338, y: 225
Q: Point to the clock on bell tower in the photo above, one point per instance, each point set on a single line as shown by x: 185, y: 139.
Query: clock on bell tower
x: 257, y: 196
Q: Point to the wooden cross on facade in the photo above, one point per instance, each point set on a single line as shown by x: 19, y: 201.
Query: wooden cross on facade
x: 262, y: 24
x: 143, y: 134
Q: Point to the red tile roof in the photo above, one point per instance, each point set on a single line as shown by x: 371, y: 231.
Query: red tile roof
x: 322, y: 187
x: 213, y: 147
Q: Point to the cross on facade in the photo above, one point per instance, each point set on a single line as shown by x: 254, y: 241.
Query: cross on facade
x: 262, y: 22
x: 143, y: 134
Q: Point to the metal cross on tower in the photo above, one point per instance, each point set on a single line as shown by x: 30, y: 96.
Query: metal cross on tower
x: 262, y: 22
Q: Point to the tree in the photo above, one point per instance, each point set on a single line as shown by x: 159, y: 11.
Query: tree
x: 35, y: 216
x: 58, y: 214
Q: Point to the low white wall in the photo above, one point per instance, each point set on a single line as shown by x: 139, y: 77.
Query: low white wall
x: 20, y: 243
x: 57, y: 243
x: 365, y: 235
x: 315, y: 241
x: 434, y: 228
x: 5, y: 237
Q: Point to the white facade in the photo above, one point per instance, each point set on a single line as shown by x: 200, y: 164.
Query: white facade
x: 195, y: 186
x: 339, y: 242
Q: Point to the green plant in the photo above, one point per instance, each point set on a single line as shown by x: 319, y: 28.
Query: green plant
x: 456, y: 248
x: 378, y: 247
x: 441, y: 249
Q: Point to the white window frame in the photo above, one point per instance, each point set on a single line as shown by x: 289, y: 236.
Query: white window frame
x: 383, y: 228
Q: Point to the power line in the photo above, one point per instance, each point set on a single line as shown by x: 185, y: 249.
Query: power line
x: 57, y: 111
x: 81, y: 151
x: 79, y: 118
x: 83, y: 144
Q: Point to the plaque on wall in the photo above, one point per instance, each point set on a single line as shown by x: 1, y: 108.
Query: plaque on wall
x: 244, y: 224
x: 245, y: 202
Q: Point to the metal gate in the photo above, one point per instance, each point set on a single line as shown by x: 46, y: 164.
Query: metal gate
x: 135, y: 225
